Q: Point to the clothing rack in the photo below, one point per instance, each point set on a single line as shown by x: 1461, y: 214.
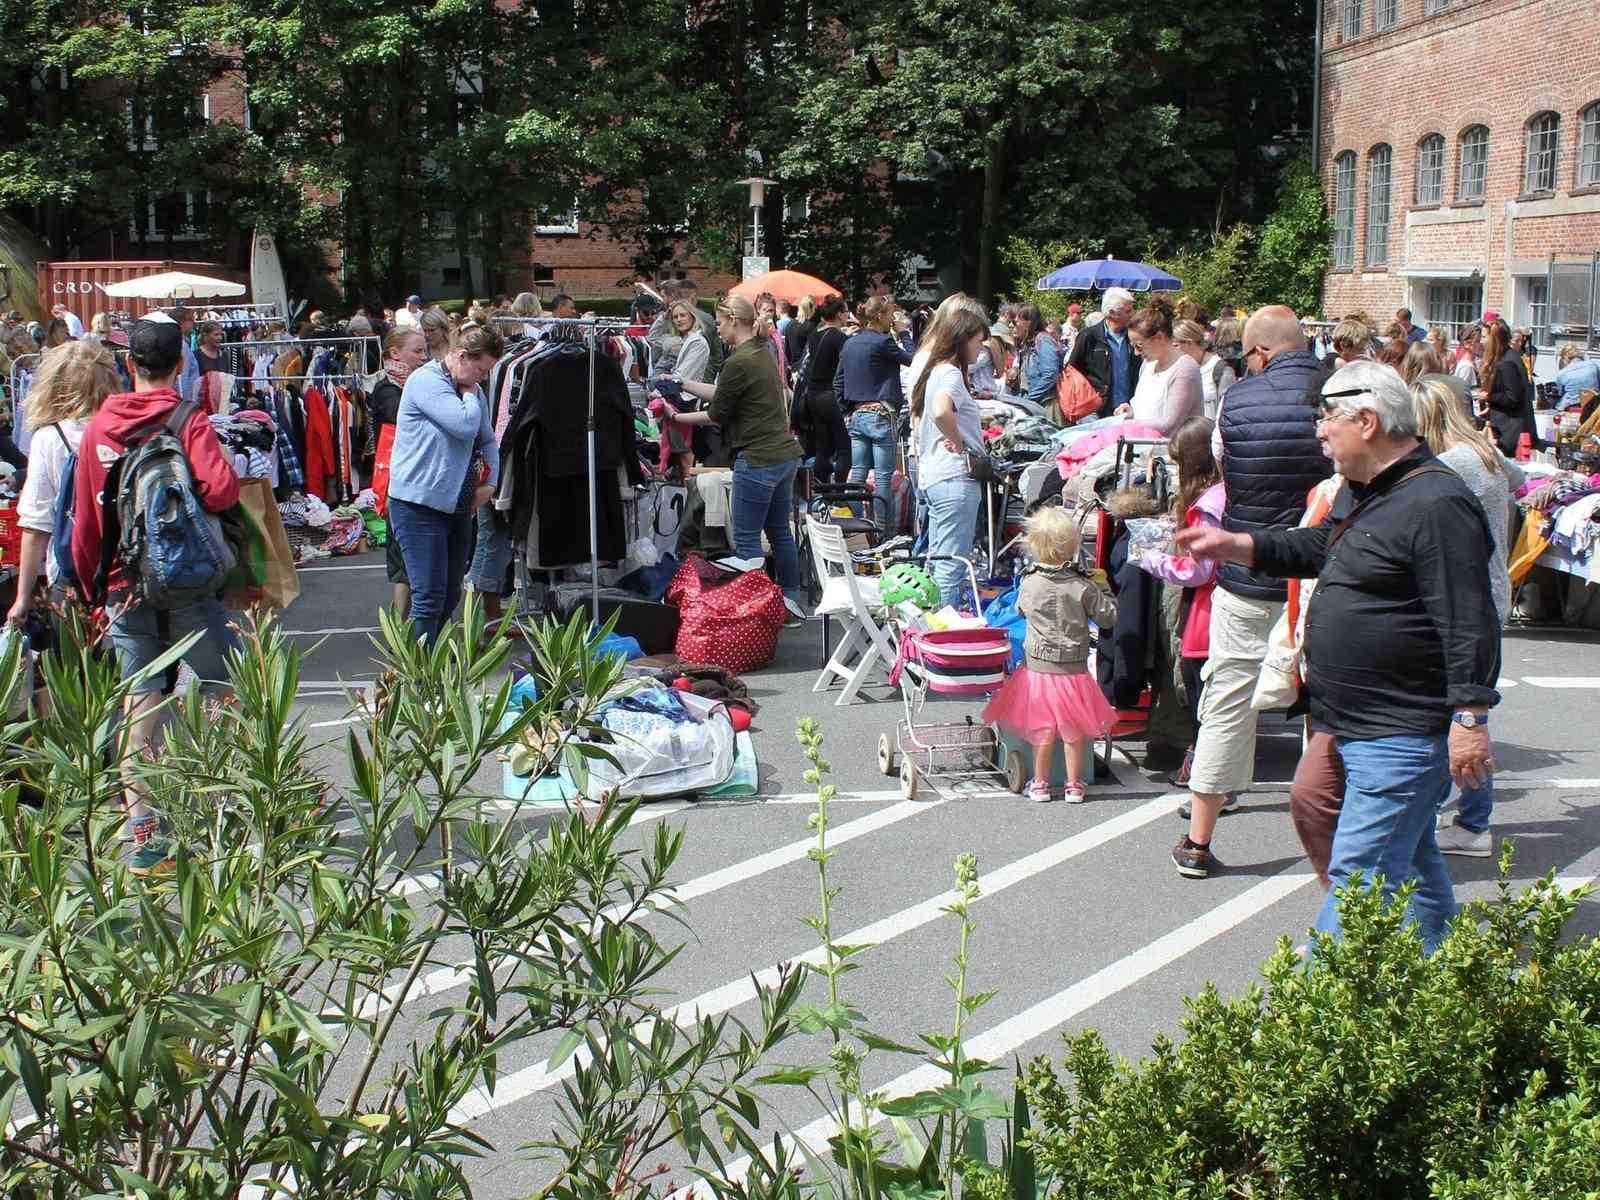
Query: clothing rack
x: 585, y: 329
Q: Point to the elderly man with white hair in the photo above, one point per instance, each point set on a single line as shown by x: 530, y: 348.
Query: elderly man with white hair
x: 1402, y: 642
x: 1104, y: 353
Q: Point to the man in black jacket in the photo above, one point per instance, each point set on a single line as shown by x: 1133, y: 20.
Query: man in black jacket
x: 1267, y: 446
x: 1104, y: 353
x: 1402, y: 640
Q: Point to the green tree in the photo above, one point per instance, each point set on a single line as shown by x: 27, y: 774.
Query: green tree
x: 1291, y: 252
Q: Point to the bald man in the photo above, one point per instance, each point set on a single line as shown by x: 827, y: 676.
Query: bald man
x: 1267, y: 446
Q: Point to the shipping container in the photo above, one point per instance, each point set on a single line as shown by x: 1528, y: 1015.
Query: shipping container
x: 80, y: 285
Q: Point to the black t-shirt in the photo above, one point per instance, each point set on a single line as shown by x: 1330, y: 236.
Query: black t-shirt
x: 825, y: 345
x: 796, y: 337
x: 209, y: 362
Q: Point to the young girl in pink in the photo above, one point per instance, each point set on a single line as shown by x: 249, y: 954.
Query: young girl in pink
x: 1052, y: 697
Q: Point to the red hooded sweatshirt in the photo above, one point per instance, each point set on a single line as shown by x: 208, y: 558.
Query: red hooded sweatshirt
x: 104, y: 440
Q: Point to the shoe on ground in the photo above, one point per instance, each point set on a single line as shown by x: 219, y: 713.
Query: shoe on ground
x: 1039, y: 792
x: 1162, y: 756
x: 1230, y: 803
x: 149, y: 853
x: 1074, y: 793
x: 1458, y: 839
x: 1194, y: 862
x: 796, y: 615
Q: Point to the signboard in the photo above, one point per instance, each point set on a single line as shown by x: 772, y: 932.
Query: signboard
x: 756, y: 265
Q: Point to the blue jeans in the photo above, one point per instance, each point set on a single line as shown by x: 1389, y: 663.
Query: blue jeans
x: 919, y: 503
x: 491, y: 556
x: 436, y: 546
x: 1392, y: 792
x: 1476, y: 806
x: 952, y: 527
x: 763, y: 499
x: 873, y: 447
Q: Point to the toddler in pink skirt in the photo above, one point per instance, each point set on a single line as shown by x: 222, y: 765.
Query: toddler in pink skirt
x: 1052, y: 697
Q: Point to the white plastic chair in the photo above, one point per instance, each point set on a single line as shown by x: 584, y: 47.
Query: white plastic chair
x: 866, y: 644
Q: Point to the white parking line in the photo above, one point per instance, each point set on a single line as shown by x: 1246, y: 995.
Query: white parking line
x: 520, y: 1084
x: 1564, y: 682
x: 463, y: 973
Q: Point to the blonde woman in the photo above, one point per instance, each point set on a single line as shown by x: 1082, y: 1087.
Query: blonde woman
x: 1471, y: 455
x: 440, y: 330
x: 69, y: 387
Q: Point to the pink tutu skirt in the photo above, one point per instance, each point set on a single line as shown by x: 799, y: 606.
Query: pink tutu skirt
x: 1037, y: 707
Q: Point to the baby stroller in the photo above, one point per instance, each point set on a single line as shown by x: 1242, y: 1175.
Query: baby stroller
x: 952, y: 662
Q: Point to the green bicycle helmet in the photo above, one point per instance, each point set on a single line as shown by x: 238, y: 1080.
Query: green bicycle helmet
x: 904, y: 582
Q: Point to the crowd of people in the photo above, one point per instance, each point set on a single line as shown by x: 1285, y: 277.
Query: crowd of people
x: 1374, y: 480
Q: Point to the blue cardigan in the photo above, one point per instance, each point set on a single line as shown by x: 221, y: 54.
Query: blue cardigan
x: 435, y: 435
x: 869, y: 371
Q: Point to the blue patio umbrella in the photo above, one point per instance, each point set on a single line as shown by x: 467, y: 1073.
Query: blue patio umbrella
x: 1097, y: 274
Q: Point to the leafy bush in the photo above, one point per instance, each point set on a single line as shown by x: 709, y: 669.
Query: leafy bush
x: 1217, y: 273
x: 237, y: 1022
x: 1373, y: 1071
x: 1030, y: 262
x: 1291, y: 247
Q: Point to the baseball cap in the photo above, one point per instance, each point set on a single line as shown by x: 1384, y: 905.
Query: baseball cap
x: 413, y: 299
x: 1074, y: 309
x: 1002, y: 331
x: 156, y: 343
x: 739, y: 308
x: 1491, y: 315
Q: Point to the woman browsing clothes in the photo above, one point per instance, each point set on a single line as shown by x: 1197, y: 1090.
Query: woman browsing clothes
x: 443, y: 423
x: 404, y: 350
x: 949, y: 426
x: 1169, y: 391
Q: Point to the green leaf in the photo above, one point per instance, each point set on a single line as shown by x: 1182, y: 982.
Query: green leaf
x: 569, y: 1043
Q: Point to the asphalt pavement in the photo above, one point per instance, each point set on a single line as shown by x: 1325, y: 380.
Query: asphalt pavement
x: 1083, y: 920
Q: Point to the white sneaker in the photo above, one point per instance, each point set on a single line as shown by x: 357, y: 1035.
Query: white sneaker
x: 797, y: 615
x: 1458, y: 839
x: 740, y: 565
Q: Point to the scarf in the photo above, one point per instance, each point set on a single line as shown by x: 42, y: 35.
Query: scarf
x: 398, y: 372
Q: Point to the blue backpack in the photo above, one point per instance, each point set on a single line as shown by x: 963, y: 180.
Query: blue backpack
x: 173, y: 551
x: 66, y: 510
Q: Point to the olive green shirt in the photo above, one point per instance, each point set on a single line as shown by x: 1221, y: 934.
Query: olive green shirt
x: 750, y: 409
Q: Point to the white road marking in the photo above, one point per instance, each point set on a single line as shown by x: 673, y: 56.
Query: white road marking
x: 520, y: 1084
x: 345, y: 567
x: 326, y: 632
x: 1562, y: 681
x: 463, y: 973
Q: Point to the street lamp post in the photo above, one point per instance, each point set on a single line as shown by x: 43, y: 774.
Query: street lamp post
x: 755, y: 262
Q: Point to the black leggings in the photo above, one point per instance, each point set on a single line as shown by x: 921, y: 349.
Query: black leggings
x: 1192, y: 685
x: 830, y: 439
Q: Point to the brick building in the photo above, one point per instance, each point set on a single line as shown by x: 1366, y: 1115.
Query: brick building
x: 1459, y: 147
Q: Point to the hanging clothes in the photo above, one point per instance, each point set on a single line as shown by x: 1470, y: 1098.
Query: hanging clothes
x: 319, y: 462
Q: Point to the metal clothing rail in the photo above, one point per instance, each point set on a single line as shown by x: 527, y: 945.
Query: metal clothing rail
x: 589, y: 327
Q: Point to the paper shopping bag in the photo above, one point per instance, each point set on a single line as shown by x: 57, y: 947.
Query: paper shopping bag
x: 280, y: 583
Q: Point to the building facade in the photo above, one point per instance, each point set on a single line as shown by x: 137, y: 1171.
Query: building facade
x: 1459, y: 148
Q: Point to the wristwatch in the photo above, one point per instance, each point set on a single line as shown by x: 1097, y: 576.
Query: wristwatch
x: 1469, y: 720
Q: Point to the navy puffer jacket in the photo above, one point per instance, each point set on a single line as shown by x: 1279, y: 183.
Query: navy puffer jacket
x: 1270, y: 458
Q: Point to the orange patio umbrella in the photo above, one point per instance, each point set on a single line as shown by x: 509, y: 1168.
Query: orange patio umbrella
x: 793, y: 286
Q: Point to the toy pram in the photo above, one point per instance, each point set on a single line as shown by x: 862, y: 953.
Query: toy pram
x: 952, y: 662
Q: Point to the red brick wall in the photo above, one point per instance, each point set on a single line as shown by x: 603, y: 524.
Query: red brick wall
x: 1495, y: 63
x: 592, y: 263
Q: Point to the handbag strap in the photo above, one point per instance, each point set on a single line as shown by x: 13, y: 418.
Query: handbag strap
x: 1429, y: 468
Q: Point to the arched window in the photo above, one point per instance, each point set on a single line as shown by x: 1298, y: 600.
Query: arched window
x: 1344, y: 211
x: 1589, y: 146
x: 1472, y: 170
x: 1430, y: 170
x: 1541, y: 156
x: 1380, y: 161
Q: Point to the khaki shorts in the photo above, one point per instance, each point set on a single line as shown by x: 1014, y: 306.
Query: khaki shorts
x: 1225, y: 750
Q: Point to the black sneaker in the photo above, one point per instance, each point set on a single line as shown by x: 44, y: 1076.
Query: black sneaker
x: 1230, y: 803
x: 1194, y: 862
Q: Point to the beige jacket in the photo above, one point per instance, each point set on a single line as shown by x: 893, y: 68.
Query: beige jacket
x: 1058, y: 603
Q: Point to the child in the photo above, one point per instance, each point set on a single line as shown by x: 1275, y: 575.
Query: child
x: 1199, y: 500
x: 1052, y: 696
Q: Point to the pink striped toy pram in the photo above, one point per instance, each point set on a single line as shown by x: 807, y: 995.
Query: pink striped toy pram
x: 951, y: 662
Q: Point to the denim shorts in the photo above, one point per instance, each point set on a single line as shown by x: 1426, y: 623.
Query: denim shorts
x: 137, y: 638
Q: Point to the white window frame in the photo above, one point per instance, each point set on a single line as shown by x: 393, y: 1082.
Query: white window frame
x: 150, y: 232
x: 1588, y: 174
x: 1431, y: 7
x: 789, y: 206
x: 1453, y: 305
x: 1351, y: 27
x: 1380, y: 174
x: 1386, y: 15
x: 149, y: 141
x: 1476, y: 136
x: 1344, y: 211
x: 570, y: 225
x: 1541, y: 160
x: 1430, y: 170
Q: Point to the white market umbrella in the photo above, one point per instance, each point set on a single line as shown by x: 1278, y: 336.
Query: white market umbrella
x: 174, y: 285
